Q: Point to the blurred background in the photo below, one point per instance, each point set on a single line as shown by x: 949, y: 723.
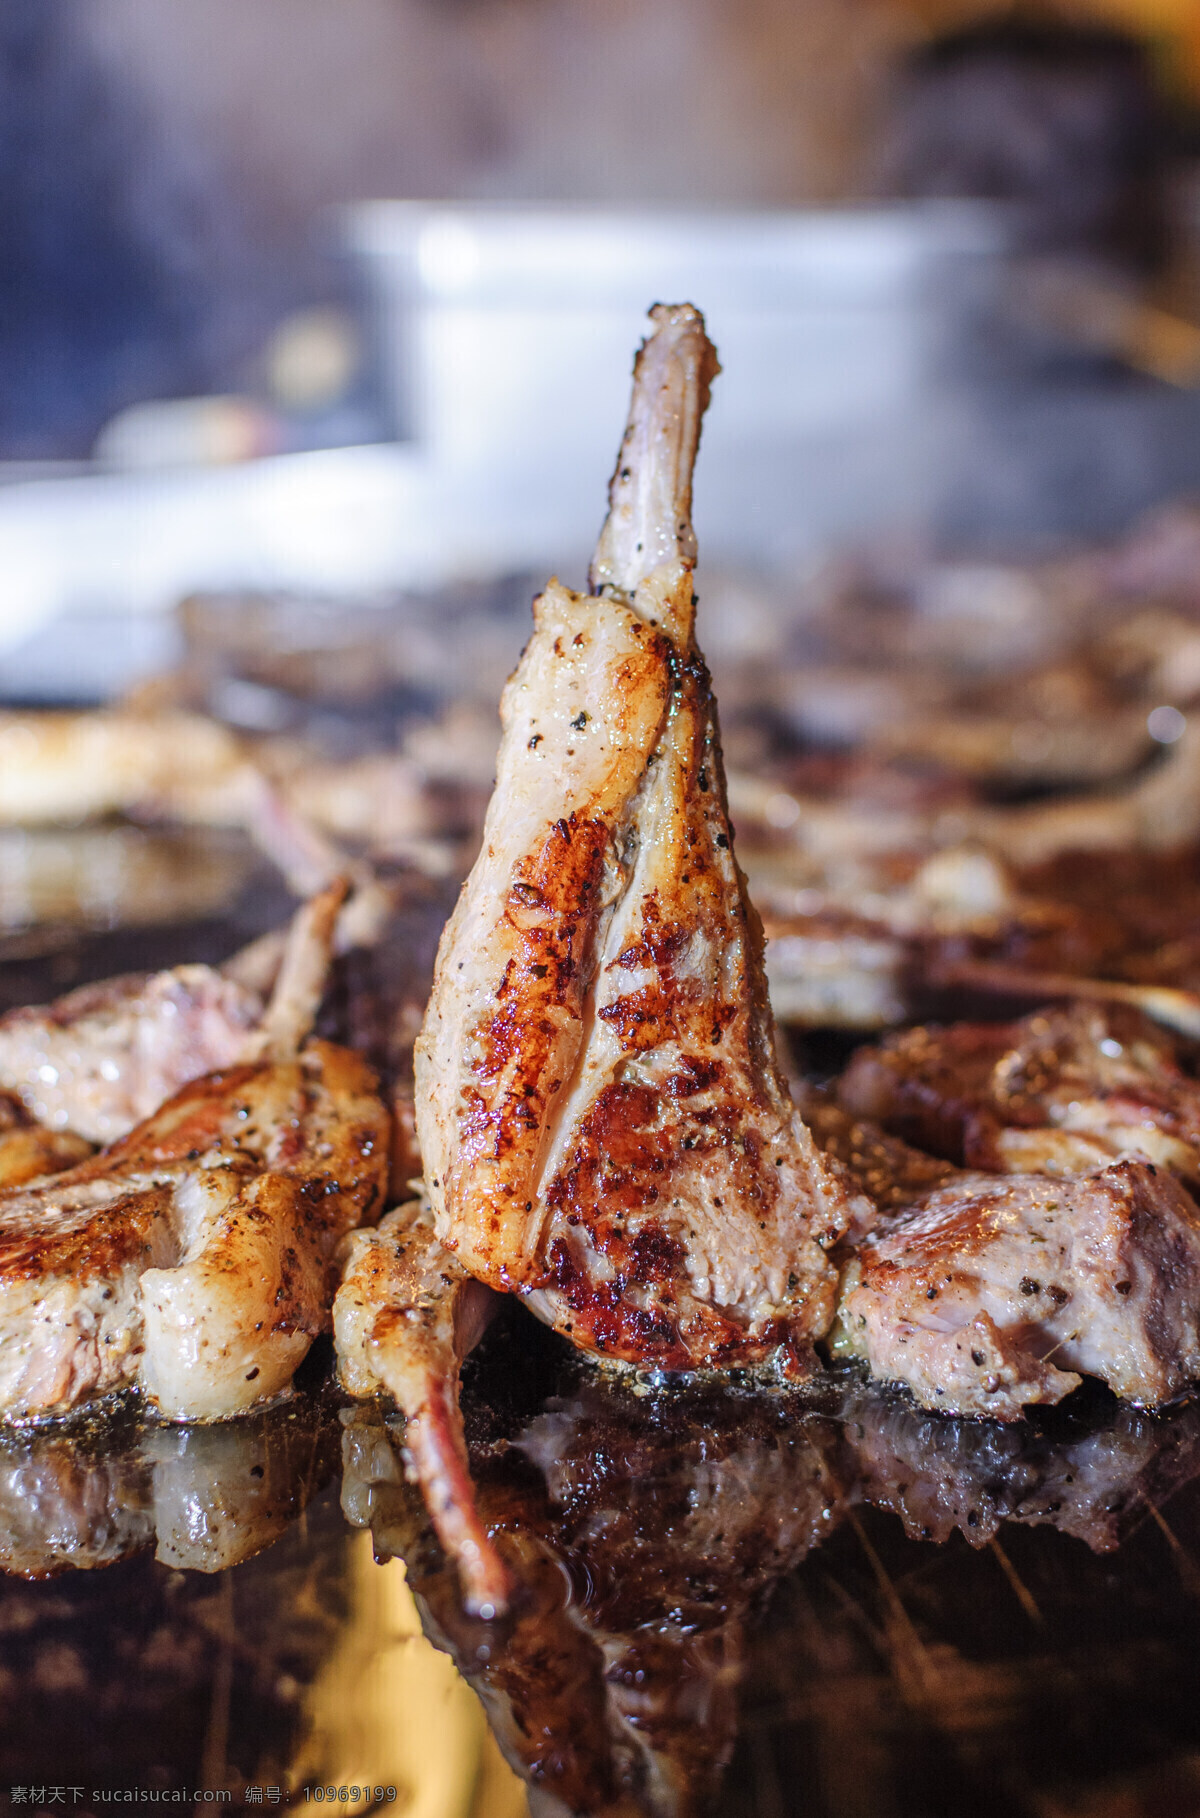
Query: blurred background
x: 340, y: 300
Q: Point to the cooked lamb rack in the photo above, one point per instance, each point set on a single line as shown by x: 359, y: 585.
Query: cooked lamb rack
x: 157, y: 765
x: 28, y: 1149
x: 604, y: 1126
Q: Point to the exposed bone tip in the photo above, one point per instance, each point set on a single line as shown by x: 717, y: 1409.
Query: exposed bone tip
x: 650, y: 494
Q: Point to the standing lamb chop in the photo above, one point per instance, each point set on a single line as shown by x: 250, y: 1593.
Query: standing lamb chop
x: 604, y: 1126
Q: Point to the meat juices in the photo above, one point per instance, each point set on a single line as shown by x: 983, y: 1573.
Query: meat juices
x: 604, y: 1125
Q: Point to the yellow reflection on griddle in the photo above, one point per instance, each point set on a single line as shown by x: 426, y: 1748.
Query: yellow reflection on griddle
x: 389, y: 1710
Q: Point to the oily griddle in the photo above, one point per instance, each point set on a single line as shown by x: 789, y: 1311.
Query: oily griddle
x: 885, y: 1674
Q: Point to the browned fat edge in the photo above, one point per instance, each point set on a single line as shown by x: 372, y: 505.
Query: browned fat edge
x: 103, y: 1241
x: 522, y: 1061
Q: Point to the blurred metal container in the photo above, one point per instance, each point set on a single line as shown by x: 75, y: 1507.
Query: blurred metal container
x: 505, y: 339
x: 506, y: 336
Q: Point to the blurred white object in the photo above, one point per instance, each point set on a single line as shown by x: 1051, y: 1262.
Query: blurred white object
x: 508, y: 336
x: 186, y: 432
x: 312, y: 359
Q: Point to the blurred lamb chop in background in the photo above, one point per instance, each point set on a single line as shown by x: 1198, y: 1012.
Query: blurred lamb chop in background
x: 99, y: 1060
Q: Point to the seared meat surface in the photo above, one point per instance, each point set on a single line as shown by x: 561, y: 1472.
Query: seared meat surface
x: 1060, y: 1092
x: 604, y: 1125
x: 993, y: 1292
x: 194, y: 1256
x: 28, y: 1149
x: 885, y: 1174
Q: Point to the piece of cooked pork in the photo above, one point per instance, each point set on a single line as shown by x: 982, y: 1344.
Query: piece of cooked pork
x: 195, y: 1256
x: 1063, y: 1091
x: 604, y: 1125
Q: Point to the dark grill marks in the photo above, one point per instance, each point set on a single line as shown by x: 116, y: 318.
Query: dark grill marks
x: 655, y: 1336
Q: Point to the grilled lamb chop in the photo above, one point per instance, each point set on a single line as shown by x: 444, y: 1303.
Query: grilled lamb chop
x: 604, y: 1126
x: 1061, y: 1092
x: 193, y: 1257
x: 995, y: 1291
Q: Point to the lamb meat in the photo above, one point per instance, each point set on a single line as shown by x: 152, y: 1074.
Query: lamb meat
x: 104, y: 1057
x: 194, y: 1256
x: 1061, y: 1092
x: 604, y: 1125
x: 993, y: 1292
x: 28, y: 1149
